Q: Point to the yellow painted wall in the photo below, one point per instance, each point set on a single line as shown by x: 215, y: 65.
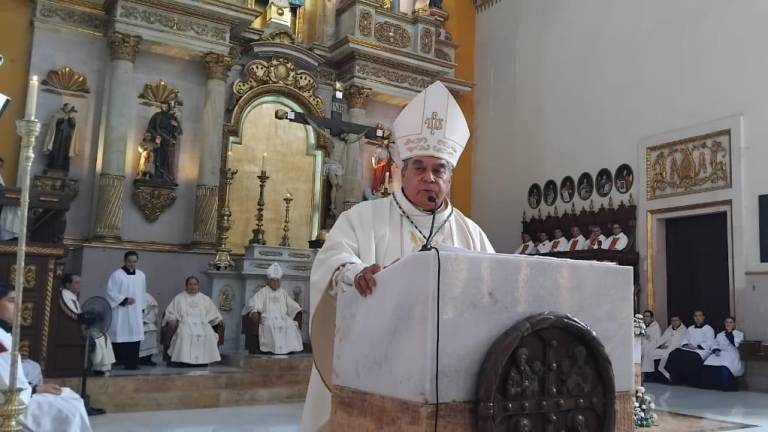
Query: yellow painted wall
x: 461, y: 24
x: 16, y: 46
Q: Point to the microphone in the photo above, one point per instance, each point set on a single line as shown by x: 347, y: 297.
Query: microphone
x: 426, y: 246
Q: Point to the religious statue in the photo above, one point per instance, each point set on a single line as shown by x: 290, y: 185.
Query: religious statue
x: 382, y: 169
x: 165, y: 129
x: 61, y: 141
x: 577, y: 374
x: 146, y: 157
x: 522, y: 380
x: 334, y: 170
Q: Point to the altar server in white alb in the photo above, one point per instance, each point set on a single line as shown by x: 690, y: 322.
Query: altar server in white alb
x: 278, y: 332
x: 672, y: 339
x: 618, y: 241
x: 649, y: 341
x: 559, y: 243
x: 527, y: 247
x: 102, y: 356
x: 49, y: 407
x: 126, y: 289
x: 193, y: 314
x: 151, y: 321
x: 430, y: 134
x: 685, y: 363
x: 724, y: 365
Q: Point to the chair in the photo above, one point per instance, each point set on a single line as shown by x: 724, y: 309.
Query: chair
x: 169, y: 330
x: 251, y: 330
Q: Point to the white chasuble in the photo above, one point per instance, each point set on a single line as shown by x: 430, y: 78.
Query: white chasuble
x: 648, y: 343
x: 195, y: 342
x: 278, y: 332
x: 372, y: 232
x: 45, y: 412
x: 127, y: 321
x: 102, y: 356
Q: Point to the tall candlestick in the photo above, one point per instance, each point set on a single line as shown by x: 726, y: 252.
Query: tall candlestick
x: 264, y: 163
x: 31, y: 106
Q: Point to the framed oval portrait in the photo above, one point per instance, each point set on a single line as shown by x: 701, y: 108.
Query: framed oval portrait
x: 585, y: 186
x: 604, y: 182
x: 567, y: 189
x: 550, y: 192
x: 624, y: 178
x: 534, y: 196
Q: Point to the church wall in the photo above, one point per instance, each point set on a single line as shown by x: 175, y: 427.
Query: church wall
x: 566, y: 87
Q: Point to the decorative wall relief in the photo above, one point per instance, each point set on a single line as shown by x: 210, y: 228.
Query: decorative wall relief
x: 152, y: 200
x: 534, y: 196
x: 26, y: 314
x: 624, y: 178
x: 74, y: 17
x: 427, y: 40
x: 365, y: 23
x: 159, y: 93
x: 175, y: 23
x: 696, y: 164
x: 30, y: 276
x: 225, y: 299
x: 392, y: 34
x: 443, y: 55
x: 66, y: 81
x: 278, y: 71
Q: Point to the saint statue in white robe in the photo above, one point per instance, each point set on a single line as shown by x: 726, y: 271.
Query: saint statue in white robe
x: 102, y: 356
x: 195, y: 342
x: 648, y: 344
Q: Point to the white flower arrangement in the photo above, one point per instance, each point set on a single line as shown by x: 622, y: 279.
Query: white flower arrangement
x: 643, y: 412
x: 639, y: 325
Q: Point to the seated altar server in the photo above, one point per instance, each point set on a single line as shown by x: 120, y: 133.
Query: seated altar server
x: 375, y: 234
x: 724, y: 365
x: 685, y: 363
x: 527, y: 247
x: 544, y: 245
x: 102, y: 356
x: 672, y: 339
x: 278, y: 332
x: 577, y: 242
x: 618, y: 241
x: 649, y: 341
x: 560, y: 243
x: 49, y: 407
x: 193, y: 315
x: 126, y: 289
x: 149, y: 345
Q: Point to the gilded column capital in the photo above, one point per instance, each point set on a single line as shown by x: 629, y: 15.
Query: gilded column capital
x: 123, y: 46
x: 217, y: 65
x: 357, y: 96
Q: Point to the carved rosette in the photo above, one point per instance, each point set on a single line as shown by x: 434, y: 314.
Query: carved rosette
x: 357, y: 96
x: 392, y: 34
x: 365, y: 23
x: 30, y: 275
x: 26, y: 314
x: 66, y: 80
x: 124, y: 46
x: 427, y: 40
x: 153, y: 198
x: 278, y: 71
x: 217, y: 65
x: 206, y: 212
x: 109, y: 214
x: 442, y: 54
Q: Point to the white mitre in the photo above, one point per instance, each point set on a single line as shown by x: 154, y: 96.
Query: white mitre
x: 432, y: 124
x: 275, y: 271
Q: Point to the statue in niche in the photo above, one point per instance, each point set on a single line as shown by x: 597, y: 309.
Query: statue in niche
x: 522, y: 381
x: 164, y: 128
x: 61, y: 141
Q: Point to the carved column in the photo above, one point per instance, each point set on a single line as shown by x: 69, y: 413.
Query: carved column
x: 206, y: 196
x: 109, y: 212
x: 357, y: 101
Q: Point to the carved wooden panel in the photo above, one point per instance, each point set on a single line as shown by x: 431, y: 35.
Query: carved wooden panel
x: 547, y: 373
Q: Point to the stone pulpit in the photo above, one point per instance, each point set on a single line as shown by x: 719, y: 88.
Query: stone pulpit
x: 520, y: 343
x: 232, y: 289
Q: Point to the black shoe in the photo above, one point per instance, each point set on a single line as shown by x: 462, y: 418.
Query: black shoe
x: 98, y: 373
x: 147, y: 361
x: 132, y: 368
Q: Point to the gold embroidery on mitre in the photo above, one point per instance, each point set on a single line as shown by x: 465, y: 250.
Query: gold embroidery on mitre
x: 434, y: 123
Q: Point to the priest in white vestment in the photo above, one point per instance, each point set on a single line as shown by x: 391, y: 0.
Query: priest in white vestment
x: 544, y: 246
x: 278, y: 332
x: 126, y: 291
x: 649, y: 341
x: 151, y: 322
x: 559, y: 243
x: 618, y: 241
x: 527, y: 247
x: 430, y: 134
x: 577, y: 241
x: 49, y: 407
x: 685, y: 363
x: 596, y: 238
x: 193, y: 314
x: 102, y: 356
x: 672, y: 339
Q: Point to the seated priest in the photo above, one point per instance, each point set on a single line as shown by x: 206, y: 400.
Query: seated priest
x: 374, y: 234
x: 544, y: 245
x: 596, y: 237
x: 618, y: 241
x: 577, y: 242
x: 672, y: 339
x: 49, y: 407
x: 560, y: 243
x: 649, y: 341
x: 102, y: 356
x: 191, y: 315
x: 279, y: 333
x: 527, y: 247
x: 150, y: 344
x: 685, y: 363
x: 724, y: 365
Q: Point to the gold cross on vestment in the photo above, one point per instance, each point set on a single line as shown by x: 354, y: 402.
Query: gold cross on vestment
x: 434, y: 123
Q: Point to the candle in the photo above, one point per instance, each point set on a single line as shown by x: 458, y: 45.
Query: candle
x: 31, y: 107
x: 264, y: 163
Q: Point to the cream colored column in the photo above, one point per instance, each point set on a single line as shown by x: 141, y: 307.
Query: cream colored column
x: 109, y: 207
x: 357, y: 101
x: 207, y: 192
x: 326, y: 22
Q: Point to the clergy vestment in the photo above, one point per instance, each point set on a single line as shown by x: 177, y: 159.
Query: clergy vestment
x: 278, y: 332
x: 559, y: 245
x: 127, y: 330
x: 616, y: 242
x: 684, y: 364
x: 672, y: 339
x: 149, y: 345
x: 577, y: 243
x: 596, y: 243
x: 544, y: 247
x: 526, y: 249
x: 9, y: 219
x: 724, y: 365
x: 648, y: 344
x: 45, y: 412
x: 194, y: 342
x: 102, y: 356
x: 372, y: 232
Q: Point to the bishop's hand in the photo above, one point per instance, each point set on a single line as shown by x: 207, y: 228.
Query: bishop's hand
x: 365, y: 282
